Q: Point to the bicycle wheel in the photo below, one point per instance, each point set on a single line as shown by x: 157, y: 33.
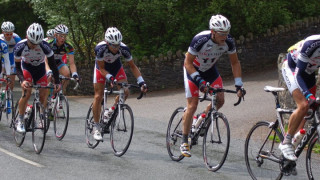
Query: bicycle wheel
x: 262, y: 153
x: 216, y: 141
x: 174, y: 134
x: 91, y: 142
x: 38, y: 127
x: 18, y: 137
x: 9, y: 105
x: 313, y: 158
x: 61, y: 116
x: 121, y: 129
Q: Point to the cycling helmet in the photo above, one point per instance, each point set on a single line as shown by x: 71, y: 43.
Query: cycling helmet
x: 35, y: 33
x: 219, y: 23
x: 7, y: 26
x: 113, y: 36
x: 61, y: 29
x: 50, y: 33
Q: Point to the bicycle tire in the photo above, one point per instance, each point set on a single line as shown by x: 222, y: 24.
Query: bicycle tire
x: 215, y: 146
x: 121, y: 129
x: 18, y: 137
x: 313, y: 157
x: 38, y: 127
x: 10, y: 109
x: 91, y: 142
x: 61, y: 121
x: 262, y: 143
x: 174, y: 135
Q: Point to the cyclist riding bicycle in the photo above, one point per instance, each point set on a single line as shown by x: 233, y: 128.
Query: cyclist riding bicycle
x: 11, y: 39
x: 199, y: 68
x: 108, y: 67
x: 50, y: 35
x: 30, y: 56
x: 298, y: 71
x: 63, y: 50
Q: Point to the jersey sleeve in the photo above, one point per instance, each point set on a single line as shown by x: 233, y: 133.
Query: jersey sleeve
x: 46, y: 49
x: 125, y: 51
x: 231, y: 45
x: 17, y: 51
x: 197, y: 43
x: 99, y: 51
x: 69, y: 48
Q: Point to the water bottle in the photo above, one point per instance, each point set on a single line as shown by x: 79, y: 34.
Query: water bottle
x: 106, y: 115
x: 200, y: 119
x: 298, y: 137
x: 194, y: 121
x: 28, y: 112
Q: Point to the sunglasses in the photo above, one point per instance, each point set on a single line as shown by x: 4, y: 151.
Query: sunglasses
x: 62, y: 35
x: 115, y: 46
x: 8, y: 33
x: 220, y: 33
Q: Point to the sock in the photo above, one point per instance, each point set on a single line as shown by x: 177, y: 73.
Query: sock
x: 21, y: 117
x: 287, y: 139
x: 184, y: 138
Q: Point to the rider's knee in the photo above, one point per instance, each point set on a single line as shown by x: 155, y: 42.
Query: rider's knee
x: 303, y: 107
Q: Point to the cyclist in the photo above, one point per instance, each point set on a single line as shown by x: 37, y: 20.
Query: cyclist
x: 30, y: 62
x: 108, y: 67
x: 298, y: 71
x: 11, y: 39
x: 199, y: 68
x: 50, y: 35
x: 62, y: 49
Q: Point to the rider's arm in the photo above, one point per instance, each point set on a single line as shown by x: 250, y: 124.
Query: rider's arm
x: 53, y: 66
x: 188, y: 63
x: 136, y: 72
x: 7, y: 65
x: 301, y: 66
x: 236, y: 68
x: 73, y: 67
x: 19, y: 70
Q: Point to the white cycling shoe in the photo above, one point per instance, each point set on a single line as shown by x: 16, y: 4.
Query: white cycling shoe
x: 20, y: 127
x: 288, y: 151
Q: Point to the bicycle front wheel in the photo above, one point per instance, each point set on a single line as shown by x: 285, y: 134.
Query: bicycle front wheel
x: 61, y: 116
x: 121, y: 130
x: 18, y: 137
x: 262, y: 154
x: 10, y: 110
x: 313, y: 158
x: 174, y: 134
x: 91, y: 142
x: 38, y: 127
x: 216, y: 141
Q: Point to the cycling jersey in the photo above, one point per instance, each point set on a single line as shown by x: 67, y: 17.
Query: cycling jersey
x: 207, y: 52
x: 112, y: 61
x: 4, y: 54
x: 11, y: 43
x: 61, y: 52
x: 33, y: 60
x: 304, y: 61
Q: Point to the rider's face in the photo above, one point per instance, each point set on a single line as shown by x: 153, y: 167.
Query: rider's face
x: 114, y: 48
x: 219, y: 36
x: 61, y: 38
x: 8, y: 35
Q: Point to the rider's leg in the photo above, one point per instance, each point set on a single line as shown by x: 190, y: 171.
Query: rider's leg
x: 64, y: 71
x: 96, y: 105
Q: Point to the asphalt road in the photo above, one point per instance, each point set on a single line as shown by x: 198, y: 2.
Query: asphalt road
x: 147, y: 157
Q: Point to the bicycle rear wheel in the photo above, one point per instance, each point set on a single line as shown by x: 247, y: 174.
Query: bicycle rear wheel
x: 38, y: 127
x: 18, y: 137
x: 262, y: 154
x: 61, y: 116
x: 216, y: 141
x: 91, y: 142
x: 121, y: 129
x: 313, y: 158
x: 174, y: 134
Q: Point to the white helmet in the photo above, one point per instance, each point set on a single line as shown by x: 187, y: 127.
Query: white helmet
x: 7, y: 26
x: 35, y: 33
x: 61, y: 29
x: 219, y: 23
x: 113, y: 36
x: 50, y: 32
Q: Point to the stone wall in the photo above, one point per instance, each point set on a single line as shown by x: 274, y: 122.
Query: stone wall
x: 255, y: 53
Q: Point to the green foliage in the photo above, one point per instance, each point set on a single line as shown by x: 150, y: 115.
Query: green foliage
x: 153, y: 26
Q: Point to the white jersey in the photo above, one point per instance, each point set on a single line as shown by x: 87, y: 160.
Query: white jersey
x: 13, y: 41
x: 207, y: 52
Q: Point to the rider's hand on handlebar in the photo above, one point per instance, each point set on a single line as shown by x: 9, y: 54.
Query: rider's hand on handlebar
x: 75, y: 76
x: 57, y: 88
x: 240, y: 91
x: 312, y: 101
x: 143, y: 86
x: 110, y: 79
x: 25, y: 84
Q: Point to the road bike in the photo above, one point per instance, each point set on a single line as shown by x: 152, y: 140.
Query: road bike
x: 214, y: 129
x: 121, y: 122
x: 6, y: 102
x: 58, y: 110
x: 263, y: 157
x: 35, y: 123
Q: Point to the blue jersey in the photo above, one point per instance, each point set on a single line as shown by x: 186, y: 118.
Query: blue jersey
x: 4, y: 54
x: 208, y: 52
x: 12, y: 42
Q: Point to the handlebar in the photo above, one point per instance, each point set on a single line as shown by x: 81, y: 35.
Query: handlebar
x: 215, y: 90
x: 124, y: 84
x: 70, y: 79
x: 37, y: 86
